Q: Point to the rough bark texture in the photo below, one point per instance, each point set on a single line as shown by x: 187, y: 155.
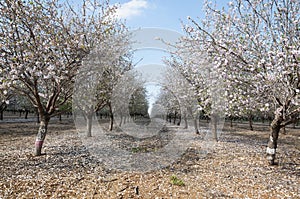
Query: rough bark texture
x: 41, y: 135
x: 196, y: 126
x: 89, y: 120
x: 179, y: 120
x: 175, y: 117
x: 251, y: 122
x: 185, y: 122
x: 1, y: 115
x: 121, y: 120
x: 2, y: 109
x: 214, y: 123
x: 26, y: 114
x: 37, y: 117
x: 274, y: 133
x: 111, y: 118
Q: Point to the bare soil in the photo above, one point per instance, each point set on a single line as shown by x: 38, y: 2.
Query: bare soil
x: 235, y: 168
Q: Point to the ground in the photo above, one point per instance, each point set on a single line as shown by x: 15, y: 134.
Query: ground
x: 235, y: 168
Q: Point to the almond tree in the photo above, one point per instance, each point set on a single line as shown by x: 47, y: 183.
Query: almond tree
x: 256, y: 44
x: 4, y: 101
x: 42, y: 45
x: 5, y: 92
x: 193, y: 63
x: 122, y: 92
x: 168, y: 103
x: 184, y: 93
x: 97, y: 77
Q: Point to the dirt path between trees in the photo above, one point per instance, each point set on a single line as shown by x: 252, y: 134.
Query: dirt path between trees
x: 235, y: 168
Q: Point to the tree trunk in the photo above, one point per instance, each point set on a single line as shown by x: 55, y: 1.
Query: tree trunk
x: 2, y: 109
x: 194, y: 121
x: 89, y: 122
x: 175, y: 117
x: 41, y: 135
x: 231, y: 123
x: 1, y: 114
x: 121, y: 120
x: 125, y: 119
x: 179, y: 120
x: 37, y: 116
x: 196, y: 126
x: 26, y: 114
x: 214, y: 123
x: 274, y: 133
x: 185, y: 121
x: 111, y: 118
x: 251, y: 122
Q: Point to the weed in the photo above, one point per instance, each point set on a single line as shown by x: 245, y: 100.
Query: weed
x: 176, y: 181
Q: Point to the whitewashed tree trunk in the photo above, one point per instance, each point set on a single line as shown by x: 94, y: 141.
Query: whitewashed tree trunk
x: 41, y: 135
x: 274, y: 133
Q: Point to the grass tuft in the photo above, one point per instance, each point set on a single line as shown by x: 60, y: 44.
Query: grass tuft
x: 176, y: 181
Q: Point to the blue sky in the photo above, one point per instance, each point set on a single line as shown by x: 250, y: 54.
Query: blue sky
x: 158, y: 13
x: 161, y: 13
x: 164, y: 14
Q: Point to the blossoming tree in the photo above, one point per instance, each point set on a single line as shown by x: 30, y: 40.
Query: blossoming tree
x: 42, y: 45
x: 256, y: 45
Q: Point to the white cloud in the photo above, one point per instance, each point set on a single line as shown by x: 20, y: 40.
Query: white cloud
x: 132, y: 8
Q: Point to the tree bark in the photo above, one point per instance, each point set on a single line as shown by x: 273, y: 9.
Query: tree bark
x: 26, y: 114
x: 37, y: 116
x: 179, y: 120
x: 89, y: 122
x: 111, y: 118
x: 2, y: 109
x: 175, y: 117
x: 121, y: 120
x: 41, y: 135
x: 274, y: 133
x: 169, y: 117
x: 194, y: 121
x: 251, y: 122
x: 185, y: 122
x: 1, y: 114
x: 214, y: 123
x: 196, y: 126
